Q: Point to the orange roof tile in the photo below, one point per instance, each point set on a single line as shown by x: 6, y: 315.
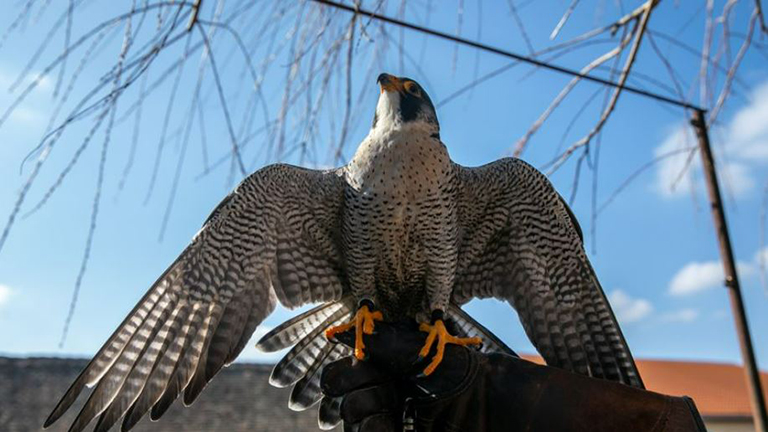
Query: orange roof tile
x: 718, y: 389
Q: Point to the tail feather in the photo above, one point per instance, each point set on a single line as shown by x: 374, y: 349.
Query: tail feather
x: 291, y: 331
x: 306, y: 392
x: 329, y: 414
x: 294, y: 365
x: 303, y: 365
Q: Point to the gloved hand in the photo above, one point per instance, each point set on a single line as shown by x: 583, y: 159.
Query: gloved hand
x: 471, y: 391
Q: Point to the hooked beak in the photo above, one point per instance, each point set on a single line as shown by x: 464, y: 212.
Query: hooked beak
x: 389, y: 83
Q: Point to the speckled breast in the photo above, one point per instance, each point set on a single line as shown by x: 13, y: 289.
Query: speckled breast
x: 396, y: 189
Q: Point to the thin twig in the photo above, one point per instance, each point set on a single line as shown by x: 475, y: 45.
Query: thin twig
x: 348, y: 90
x: 703, y: 70
x: 732, y: 71
x: 235, y: 151
x: 521, y: 27
x: 630, y: 178
x: 67, y: 38
x: 195, y: 13
x: 563, y: 20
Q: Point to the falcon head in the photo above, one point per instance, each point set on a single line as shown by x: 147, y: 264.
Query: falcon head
x: 404, y: 102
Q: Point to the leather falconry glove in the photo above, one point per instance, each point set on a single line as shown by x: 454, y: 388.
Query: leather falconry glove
x: 471, y: 391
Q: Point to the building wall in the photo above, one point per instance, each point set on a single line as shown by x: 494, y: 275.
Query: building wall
x: 729, y: 425
x: 238, y: 399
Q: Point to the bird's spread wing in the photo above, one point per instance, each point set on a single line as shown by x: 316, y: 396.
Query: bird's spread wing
x: 521, y: 243
x: 274, y: 238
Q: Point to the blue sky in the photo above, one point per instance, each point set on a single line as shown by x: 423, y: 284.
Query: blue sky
x: 653, y: 247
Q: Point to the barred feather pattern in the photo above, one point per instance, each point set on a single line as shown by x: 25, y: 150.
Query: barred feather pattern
x: 402, y: 226
x: 306, y: 392
x: 329, y: 413
x: 299, y: 361
x: 275, y: 238
x: 520, y: 243
x: 293, y: 330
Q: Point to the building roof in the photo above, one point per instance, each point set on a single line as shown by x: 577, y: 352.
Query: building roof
x: 719, y: 389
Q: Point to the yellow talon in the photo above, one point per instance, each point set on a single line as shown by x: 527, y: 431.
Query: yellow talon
x: 363, y: 323
x: 438, y: 331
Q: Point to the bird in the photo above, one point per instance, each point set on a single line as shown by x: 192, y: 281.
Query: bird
x: 400, y: 231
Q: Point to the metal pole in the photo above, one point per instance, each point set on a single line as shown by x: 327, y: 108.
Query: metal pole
x: 731, y: 279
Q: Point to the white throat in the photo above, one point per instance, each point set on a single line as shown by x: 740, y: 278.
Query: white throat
x: 387, y: 116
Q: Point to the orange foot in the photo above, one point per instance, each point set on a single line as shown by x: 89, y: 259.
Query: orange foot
x: 437, y: 330
x: 363, y: 323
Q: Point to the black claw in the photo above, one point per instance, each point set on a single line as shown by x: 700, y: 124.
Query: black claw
x: 437, y: 315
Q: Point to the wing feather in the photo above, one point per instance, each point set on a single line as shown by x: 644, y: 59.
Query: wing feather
x: 275, y: 238
x: 521, y: 243
x: 262, y: 307
x: 186, y: 365
x: 163, y: 371
x: 110, y: 384
x: 137, y: 378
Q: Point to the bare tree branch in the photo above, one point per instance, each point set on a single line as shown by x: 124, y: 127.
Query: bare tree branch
x: 638, y: 37
x: 522, y: 142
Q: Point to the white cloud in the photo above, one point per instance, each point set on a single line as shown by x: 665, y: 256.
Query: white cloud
x: 700, y: 276
x: 25, y: 115
x: 680, y: 316
x: 745, y: 143
x: 762, y: 254
x: 736, y: 177
x: 7, y: 79
x: 749, y: 129
x: 629, y: 309
x: 36, y: 105
x: 672, y: 176
x: 5, y: 294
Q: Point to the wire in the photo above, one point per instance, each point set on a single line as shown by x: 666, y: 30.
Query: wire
x: 510, y: 54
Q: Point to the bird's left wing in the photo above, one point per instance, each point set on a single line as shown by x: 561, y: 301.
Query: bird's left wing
x: 275, y: 237
x: 520, y: 242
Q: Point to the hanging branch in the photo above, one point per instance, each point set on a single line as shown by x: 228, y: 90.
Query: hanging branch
x: 726, y: 89
x: 642, y: 13
x: 110, y: 108
x: 616, y: 93
x: 522, y: 142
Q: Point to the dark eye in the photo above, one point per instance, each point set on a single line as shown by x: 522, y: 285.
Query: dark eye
x: 412, y: 88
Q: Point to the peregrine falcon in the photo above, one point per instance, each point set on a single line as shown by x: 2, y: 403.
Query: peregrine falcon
x: 401, y: 231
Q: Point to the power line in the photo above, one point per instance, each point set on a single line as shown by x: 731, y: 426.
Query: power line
x: 509, y: 54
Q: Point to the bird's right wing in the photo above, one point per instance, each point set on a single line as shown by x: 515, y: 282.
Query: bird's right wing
x: 521, y: 243
x: 274, y: 238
